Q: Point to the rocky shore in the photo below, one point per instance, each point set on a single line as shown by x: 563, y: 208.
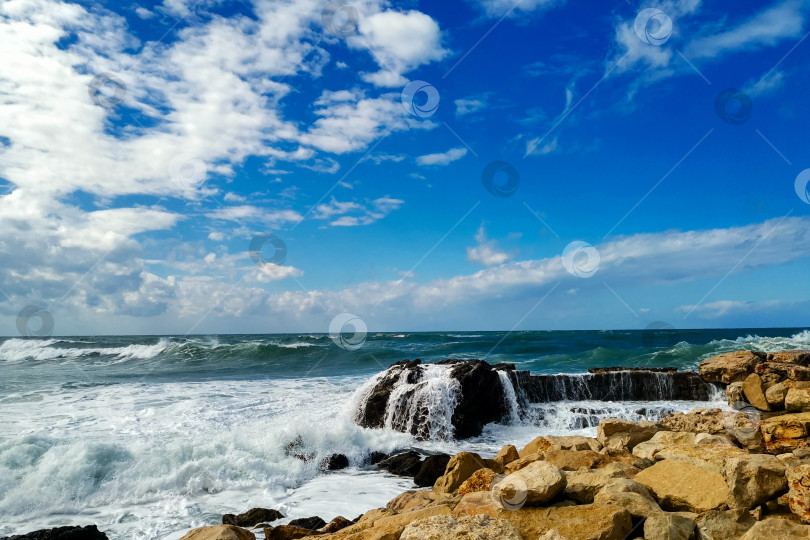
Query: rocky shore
x: 709, y: 474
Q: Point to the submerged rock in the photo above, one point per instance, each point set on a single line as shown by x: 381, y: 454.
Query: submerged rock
x: 252, y: 517
x: 335, y: 462
x: 405, y: 464
x: 90, y: 532
x: 312, y: 523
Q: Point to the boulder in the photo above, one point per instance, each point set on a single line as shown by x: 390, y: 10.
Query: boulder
x: 618, y: 434
x: 801, y: 358
x: 637, y: 505
x: 785, y: 433
x: 797, y: 399
x: 404, y: 464
x: 680, y: 485
x: 710, y: 421
x: 668, y: 527
x: 522, y: 462
x: 375, y: 457
x: 773, y: 528
x: 724, y: 524
x: 709, y: 456
x: 776, y: 394
x: 533, y: 485
x: 734, y: 393
x: 459, y: 468
x: 730, y: 367
x: 312, y: 523
x: 754, y: 479
x: 586, y: 522
x: 480, y: 527
x: 335, y: 462
x: 481, y: 480
x: 337, y: 524
x: 89, y: 532
x: 582, y: 486
x: 705, y: 438
x: 798, y: 497
x: 414, y: 500
x: 507, y: 455
x: 431, y: 469
x: 480, y: 399
x: 573, y: 460
x: 659, y: 441
x: 372, y: 412
x: 252, y: 517
x: 539, y: 445
x: 575, y: 442
x: 219, y: 532
x: 403, y: 519
x: 754, y: 393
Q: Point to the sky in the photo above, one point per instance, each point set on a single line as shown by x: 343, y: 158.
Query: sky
x: 207, y: 166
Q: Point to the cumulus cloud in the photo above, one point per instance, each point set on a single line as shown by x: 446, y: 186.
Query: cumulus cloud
x: 442, y: 158
x: 486, y: 252
x: 353, y: 213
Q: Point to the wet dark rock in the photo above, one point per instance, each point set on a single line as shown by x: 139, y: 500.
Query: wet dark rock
x: 335, y: 462
x: 372, y: 413
x: 312, y: 523
x: 295, y: 448
x: 481, y: 399
x: 90, y: 532
x: 432, y: 468
x: 376, y: 457
x: 286, y: 532
x: 404, y: 464
x: 633, y: 385
x: 619, y: 368
x: 252, y: 517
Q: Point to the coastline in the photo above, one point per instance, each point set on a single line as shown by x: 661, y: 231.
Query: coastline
x: 745, y: 468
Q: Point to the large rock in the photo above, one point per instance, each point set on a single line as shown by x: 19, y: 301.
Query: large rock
x: 724, y: 524
x: 575, y: 442
x: 754, y: 479
x: 90, y: 532
x: 252, y: 517
x: 630, y: 495
x: 481, y: 480
x: 712, y: 421
x: 431, y: 469
x: 373, y: 410
x: 668, y: 527
x: 785, y: 433
x: 661, y: 440
x: 507, y: 455
x: 680, y: 485
x: 801, y: 358
x: 586, y: 522
x: 538, y: 445
x: 734, y: 393
x: 754, y: 393
x: 797, y: 399
x: 582, y: 486
x: 481, y: 397
x: 773, y: 528
x: 730, y: 367
x: 776, y: 394
x: 533, y: 485
x: 312, y: 523
x: 479, y: 527
x: 459, y: 468
x: 620, y: 434
x: 403, y: 464
x: 573, y: 460
x: 220, y: 532
x: 798, y: 498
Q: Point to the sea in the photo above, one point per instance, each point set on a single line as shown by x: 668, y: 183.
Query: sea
x: 151, y: 436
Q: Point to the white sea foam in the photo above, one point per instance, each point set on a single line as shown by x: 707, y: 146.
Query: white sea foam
x: 18, y: 350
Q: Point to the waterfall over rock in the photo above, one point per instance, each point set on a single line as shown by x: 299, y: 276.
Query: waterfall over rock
x: 457, y: 398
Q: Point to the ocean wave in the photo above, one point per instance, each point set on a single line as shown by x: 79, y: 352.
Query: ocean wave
x: 18, y: 350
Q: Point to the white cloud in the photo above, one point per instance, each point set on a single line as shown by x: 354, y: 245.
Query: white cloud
x: 534, y: 147
x: 500, y: 8
x: 470, y: 105
x: 442, y: 158
x: 722, y: 308
x: 364, y: 214
x: 254, y: 213
x: 486, y: 252
x: 764, y: 86
x: 399, y: 42
x: 765, y: 29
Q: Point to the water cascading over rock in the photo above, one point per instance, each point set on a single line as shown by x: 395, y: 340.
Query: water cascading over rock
x: 457, y: 398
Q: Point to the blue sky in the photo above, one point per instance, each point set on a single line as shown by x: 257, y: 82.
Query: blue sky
x: 655, y: 148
